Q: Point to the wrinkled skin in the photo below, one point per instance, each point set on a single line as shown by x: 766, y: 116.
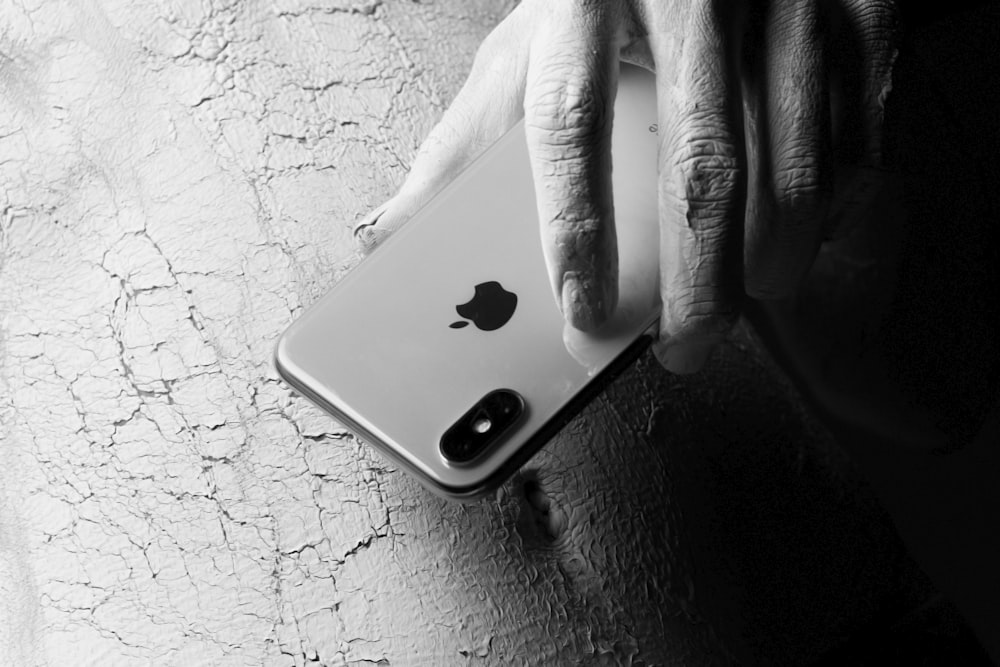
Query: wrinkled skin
x: 763, y: 106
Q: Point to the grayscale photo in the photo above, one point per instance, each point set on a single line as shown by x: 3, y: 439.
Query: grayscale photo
x: 499, y: 332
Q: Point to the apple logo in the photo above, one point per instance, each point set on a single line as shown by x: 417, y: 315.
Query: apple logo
x: 489, y: 309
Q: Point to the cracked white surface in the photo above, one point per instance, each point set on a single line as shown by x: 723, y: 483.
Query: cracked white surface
x: 178, y: 180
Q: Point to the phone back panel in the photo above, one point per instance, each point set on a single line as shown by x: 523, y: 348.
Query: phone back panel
x: 380, y: 351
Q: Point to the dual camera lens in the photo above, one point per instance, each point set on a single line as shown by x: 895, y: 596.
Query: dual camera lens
x: 482, y: 426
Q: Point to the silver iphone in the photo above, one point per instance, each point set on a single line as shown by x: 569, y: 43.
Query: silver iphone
x: 445, y: 349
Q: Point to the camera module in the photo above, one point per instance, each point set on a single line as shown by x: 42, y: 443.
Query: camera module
x: 482, y: 426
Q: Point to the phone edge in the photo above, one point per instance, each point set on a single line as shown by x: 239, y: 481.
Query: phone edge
x: 538, y: 440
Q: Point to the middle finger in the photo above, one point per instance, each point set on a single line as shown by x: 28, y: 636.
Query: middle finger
x: 701, y: 182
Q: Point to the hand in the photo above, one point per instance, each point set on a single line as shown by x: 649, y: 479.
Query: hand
x: 763, y: 107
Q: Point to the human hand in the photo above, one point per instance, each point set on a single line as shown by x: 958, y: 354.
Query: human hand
x: 763, y: 107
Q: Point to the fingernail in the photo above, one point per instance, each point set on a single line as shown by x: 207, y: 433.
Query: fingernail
x: 683, y: 358
x: 366, y: 235
x: 579, y: 311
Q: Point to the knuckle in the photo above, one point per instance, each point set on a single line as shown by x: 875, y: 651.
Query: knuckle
x: 564, y: 155
x: 567, y: 130
x: 709, y: 169
x: 798, y: 188
x: 706, y: 183
x: 567, y: 117
x: 801, y: 186
x: 709, y: 177
x: 569, y: 96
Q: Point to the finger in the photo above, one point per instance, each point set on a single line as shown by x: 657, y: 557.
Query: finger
x: 701, y: 187
x: 865, y: 49
x: 490, y: 102
x: 873, y: 28
x: 788, y: 121
x: 572, y: 78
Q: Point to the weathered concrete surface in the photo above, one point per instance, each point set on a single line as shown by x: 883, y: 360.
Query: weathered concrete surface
x: 178, y: 181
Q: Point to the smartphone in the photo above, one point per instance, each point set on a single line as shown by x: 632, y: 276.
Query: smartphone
x: 445, y: 349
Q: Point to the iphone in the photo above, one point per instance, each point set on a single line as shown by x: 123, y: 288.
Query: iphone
x: 445, y: 349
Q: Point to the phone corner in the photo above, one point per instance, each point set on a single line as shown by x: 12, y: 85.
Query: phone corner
x: 466, y: 495
x: 280, y: 357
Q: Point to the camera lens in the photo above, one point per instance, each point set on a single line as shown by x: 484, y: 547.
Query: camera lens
x: 482, y: 426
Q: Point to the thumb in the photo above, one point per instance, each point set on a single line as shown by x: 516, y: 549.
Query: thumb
x: 489, y: 104
x: 380, y: 223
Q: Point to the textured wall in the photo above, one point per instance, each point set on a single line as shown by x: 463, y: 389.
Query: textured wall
x: 178, y: 180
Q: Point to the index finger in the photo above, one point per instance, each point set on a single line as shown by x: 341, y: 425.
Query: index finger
x: 569, y: 99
